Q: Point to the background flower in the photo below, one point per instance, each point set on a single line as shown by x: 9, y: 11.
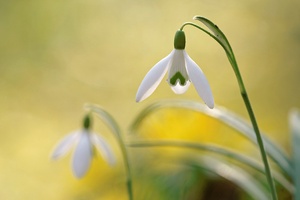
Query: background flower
x: 85, y: 143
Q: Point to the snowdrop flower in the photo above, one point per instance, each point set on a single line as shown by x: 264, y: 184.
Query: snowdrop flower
x: 85, y: 142
x: 182, y: 70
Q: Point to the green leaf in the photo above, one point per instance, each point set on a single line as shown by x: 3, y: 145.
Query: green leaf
x: 228, y: 118
x: 233, y: 174
x: 217, y: 32
x: 294, y: 119
x: 279, y: 178
x: 220, y: 37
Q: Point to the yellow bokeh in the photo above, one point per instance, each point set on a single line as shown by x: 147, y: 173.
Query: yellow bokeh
x: 57, y: 55
x: 191, y: 126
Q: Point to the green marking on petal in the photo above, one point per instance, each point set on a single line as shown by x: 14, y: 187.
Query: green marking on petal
x: 177, y: 76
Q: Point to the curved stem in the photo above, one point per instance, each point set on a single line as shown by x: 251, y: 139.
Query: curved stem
x: 127, y: 168
x: 260, y: 143
x: 195, y: 25
x: 106, y: 117
x: 255, y: 128
x: 247, y: 103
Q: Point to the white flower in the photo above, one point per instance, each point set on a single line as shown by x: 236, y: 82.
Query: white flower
x: 182, y: 70
x: 85, y: 141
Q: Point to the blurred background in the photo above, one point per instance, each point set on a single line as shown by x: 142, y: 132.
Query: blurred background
x: 57, y: 55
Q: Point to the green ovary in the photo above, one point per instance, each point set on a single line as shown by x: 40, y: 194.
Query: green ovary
x: 177, y: 76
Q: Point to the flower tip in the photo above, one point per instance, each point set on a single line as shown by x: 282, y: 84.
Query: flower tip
x: 137, y: 100
x: 210, y: 103
x: 80, y: 171
x: 78, y: 175
x: 54, y: 156
x: 211, y: 106
x: 140, y: 97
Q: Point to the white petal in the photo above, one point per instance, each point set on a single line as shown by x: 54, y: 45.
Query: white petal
x: 177, y: 65
x: 104, y: 149
x: 153, y: 78
x: 180, y: 89
x: 64, y: 145
x: 82, y: 155
x: 200, y: 82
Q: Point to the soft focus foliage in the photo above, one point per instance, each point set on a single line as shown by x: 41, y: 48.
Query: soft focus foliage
x: 175, y: 129
x: 57, y: 55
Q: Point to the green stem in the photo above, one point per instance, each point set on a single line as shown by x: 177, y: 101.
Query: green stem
x: 106, y: 117
x: 195, y: 25
x: 127, y: 168
x: 259, y: 142
x: 251, y: 114
x: 247, y: 103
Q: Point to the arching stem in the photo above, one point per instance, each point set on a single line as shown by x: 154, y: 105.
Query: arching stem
x: 222, y: 40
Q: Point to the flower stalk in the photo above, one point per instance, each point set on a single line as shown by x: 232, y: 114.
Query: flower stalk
x: 112, y: 124
x: 222, y: 40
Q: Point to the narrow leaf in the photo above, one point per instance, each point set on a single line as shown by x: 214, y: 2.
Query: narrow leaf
x: 294, y: 119
x: 279, y: 178
x: 217, y: 32
x: 228, y: 118
x: 233, y: 174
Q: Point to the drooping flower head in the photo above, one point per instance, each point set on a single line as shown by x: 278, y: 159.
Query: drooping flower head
x: 85, y: 141
x: 182, y: 70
